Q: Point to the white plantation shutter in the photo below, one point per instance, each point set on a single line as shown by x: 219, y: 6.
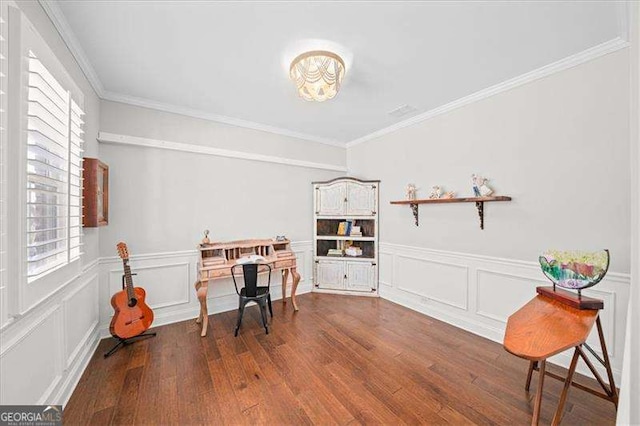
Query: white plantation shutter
x: 75, y: 181
x: 54, y: 174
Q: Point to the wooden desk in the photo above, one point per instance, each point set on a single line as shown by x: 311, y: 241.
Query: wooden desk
x: 545, y: 327
x: 216, y: 260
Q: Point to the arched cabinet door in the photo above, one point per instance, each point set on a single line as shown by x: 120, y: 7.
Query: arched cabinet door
x: 330, y: 199
x: 361, y: 199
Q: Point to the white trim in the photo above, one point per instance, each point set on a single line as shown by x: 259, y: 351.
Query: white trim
x: 81, y: 362
x: 427, y: 297
x: 545, y: 71
x: 52, y: 9
x: 210, y: 116
x: 111, y: 138
x: 186, y: 297
x: 6, y: 346
x: 70, y: 356
x: 59, y: 21
x: 389, y: 249
x: 149, y: 256
x: 491, y: 323
x: 56, y: 16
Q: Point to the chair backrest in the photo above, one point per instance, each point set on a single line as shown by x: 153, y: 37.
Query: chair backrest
x: 250, y: 274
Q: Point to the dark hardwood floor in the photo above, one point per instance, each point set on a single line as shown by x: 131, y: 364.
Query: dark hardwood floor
x: 340, y: 360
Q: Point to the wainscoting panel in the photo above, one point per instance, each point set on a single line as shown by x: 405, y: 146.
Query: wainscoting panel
x: 385, y: 271
x: 169, y: 279
x: 44, y: 352
x: 478, y: 293
x: 498, y: 292
x: 166, y: 284
x: 433, y: 280
x: 81, y: 315
x: 31, y: 364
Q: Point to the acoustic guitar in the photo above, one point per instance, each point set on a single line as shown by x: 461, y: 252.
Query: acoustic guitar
x: 132, y: 315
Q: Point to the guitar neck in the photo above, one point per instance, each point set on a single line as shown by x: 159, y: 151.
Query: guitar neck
x: 128, y: 279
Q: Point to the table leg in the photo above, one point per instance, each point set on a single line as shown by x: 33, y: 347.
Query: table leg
x: 294, y: 288
x: 285, y: 278
x: 565, y: 390
x: 532, y: 366
x: 538, y: 397
x: 201, y: 290
x: 607, y: 363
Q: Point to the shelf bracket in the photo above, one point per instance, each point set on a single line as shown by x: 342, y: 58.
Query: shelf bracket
x: 414, y: 209
x: 480, y: 207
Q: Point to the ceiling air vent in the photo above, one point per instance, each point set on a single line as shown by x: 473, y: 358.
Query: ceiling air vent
x: 402, y: 110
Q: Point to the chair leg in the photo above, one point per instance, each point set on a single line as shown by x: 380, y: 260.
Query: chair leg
x: 240, y: 314
x: 263, y: 314
x: 270, y: 308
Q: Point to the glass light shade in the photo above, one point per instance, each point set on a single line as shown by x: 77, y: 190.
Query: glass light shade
x: 317, y: 75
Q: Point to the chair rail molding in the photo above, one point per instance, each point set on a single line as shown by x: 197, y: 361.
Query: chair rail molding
x: 172, y: 275
x: 492, y: 289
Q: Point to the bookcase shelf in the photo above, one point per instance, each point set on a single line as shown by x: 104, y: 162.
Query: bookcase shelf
x: 338, y: 201
x: 478, y: 200
x: 344, y: 238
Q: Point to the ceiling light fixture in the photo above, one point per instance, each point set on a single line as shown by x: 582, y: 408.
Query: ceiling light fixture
x: 317, y: 75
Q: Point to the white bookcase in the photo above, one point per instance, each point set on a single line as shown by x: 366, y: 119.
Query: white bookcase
x: 340, y: 200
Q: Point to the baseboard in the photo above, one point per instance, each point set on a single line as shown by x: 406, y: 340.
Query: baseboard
x: 192, y: 312
x: 477, y: 293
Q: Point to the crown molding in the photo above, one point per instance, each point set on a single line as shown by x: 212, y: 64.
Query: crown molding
x: 112, y: 138
x: 54, y: 12
x: 547, y: 70
x: 195, y: 113
x: 52, y: 9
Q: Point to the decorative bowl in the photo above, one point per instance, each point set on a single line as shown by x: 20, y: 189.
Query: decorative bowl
x: 575, y: 269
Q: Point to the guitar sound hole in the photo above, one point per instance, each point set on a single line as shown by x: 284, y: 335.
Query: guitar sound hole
x: 133, y: 302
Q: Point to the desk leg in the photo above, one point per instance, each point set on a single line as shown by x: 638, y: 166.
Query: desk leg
x: 203, y: 317
x: 294, y: 288
x: 285, y: 278
x: 565, y: 391
x: 538, y: 397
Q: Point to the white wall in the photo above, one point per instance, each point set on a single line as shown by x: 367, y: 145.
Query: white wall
x: 628, y: 408
x: 161, y: 200
x: 559, y: 146
x: 43, y: 352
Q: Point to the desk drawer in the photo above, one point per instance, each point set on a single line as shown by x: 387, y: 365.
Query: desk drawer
x: 283, y: 264
x: 219, y: 273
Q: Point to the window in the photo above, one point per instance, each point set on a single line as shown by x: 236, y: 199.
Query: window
x: 53, y: 173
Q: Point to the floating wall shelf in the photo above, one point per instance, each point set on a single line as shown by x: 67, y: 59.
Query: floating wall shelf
x: 478, y: 200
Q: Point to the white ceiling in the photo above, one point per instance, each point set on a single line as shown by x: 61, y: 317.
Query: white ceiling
x: 227, y: 58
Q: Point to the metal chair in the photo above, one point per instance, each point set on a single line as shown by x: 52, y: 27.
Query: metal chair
x: 251, y: 292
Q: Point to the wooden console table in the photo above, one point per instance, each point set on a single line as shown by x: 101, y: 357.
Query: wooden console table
x: 545, y: 327
x: 216, y: 260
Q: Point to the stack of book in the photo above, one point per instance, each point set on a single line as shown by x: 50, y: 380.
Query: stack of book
x: 356, y: 231
x: 344, y: 228
x: 353, y: 251
x: 334, y: 253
